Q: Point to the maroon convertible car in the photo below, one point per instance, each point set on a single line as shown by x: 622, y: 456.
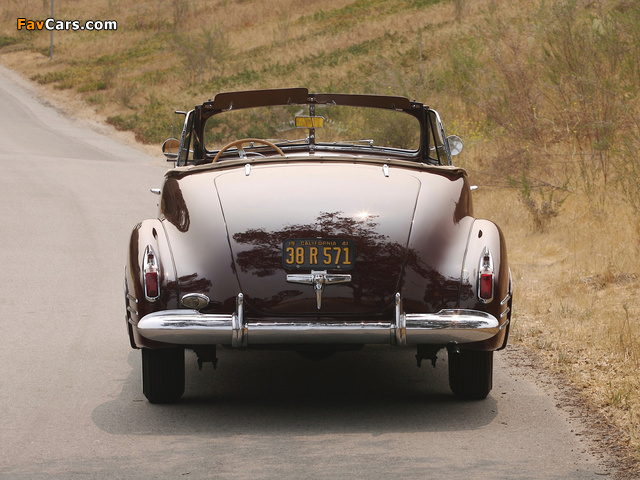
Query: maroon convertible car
x: 316, y: 223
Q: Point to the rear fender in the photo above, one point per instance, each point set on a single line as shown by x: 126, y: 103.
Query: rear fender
x: 485, y: 236
x: 149, y: 234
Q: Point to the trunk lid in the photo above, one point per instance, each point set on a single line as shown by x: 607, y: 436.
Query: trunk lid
x: 359, y: 214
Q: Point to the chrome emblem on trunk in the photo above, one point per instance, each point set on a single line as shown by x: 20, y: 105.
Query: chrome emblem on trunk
x: 318, y: 278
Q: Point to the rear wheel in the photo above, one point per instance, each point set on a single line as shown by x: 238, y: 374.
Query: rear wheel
x: 470, y: 373
x: 163, y: 374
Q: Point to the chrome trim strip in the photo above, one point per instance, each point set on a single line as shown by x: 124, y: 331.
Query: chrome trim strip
x: 190, y: 327
x: 506, y: 299
x: 132, y: 298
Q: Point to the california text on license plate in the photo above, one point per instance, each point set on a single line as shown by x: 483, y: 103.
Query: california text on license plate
x: 314, y: 253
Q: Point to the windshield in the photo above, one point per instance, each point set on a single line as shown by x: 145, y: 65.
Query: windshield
x: 361, y: 127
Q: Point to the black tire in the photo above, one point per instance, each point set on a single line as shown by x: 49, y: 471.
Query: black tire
x: 470, y: 373
x: 163, y: 374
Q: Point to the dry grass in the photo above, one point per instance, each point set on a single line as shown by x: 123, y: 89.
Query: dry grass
x: 576, y: 300
x: 504, y: 76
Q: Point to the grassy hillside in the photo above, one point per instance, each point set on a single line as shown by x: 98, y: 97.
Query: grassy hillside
x: 544, y: 94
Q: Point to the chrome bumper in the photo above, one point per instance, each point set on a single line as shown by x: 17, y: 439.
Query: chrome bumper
x: 190, y: 327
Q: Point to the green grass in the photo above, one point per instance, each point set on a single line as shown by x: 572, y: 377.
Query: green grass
x: 5, y: 41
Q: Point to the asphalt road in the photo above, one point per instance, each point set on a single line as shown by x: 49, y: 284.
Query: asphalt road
x: 71, y: 403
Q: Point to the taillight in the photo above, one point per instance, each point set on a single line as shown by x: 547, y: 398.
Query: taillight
x: 151, y: 275
x: 151, y: 284
x: 485, y: 277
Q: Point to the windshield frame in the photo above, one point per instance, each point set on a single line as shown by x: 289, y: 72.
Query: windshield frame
x: 228, y: 101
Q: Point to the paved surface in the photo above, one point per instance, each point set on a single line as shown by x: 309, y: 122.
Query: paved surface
x: 71, y: 404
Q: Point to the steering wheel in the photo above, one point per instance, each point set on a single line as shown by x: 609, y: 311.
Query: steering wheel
x: 240, y: 143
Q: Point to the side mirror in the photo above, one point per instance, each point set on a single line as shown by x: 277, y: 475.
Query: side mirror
x: 170, y: 148
x: 455, y: 144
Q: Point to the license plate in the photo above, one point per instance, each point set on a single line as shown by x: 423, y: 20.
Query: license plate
x: 318, y: 253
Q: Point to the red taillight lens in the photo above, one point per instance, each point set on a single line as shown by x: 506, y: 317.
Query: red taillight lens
x: 485, y: 277
x: 151, y: 275
x: 151, y: 284
x: 486, y: 286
